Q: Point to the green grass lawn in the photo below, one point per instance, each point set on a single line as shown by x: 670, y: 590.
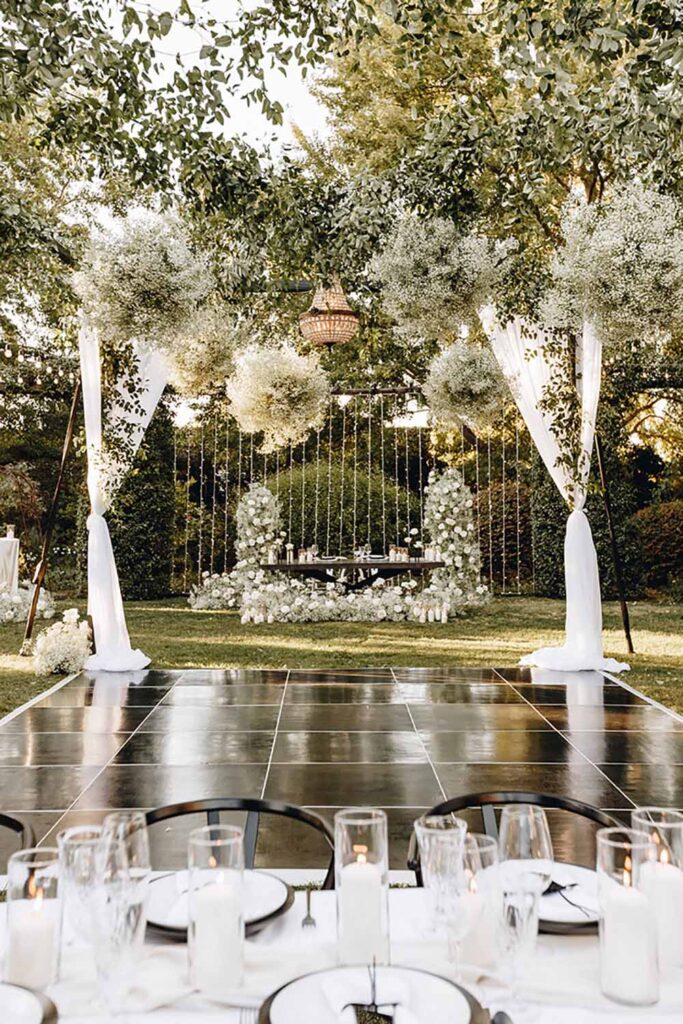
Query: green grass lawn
x: 175, y: 637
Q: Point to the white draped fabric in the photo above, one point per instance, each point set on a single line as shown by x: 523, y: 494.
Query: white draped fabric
x: 112, y: 643
x: 519, y: 349
x: 9, y: 564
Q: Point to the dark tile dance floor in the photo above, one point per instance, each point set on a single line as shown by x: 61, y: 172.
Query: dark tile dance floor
x: 401, y: 739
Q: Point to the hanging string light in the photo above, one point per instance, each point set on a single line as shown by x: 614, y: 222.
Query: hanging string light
x: 251, y: 459
x: 519, y: 549
x: 317, y: 487
x: 341, y: 487
x: 384, y: 481
x: 291, y: 492
x: 369, y: 469
x: 407, y: 484
x: 503, y: 494
x: 213, y: 490
x: 227, y: 486
x: 175, y: 491
x: 303, y: 493
x: 489, y: 480
x: 355, y: 468
x: 187, y: 514
x: 420, y: 483
x: 200, y: 530
x: 329, y: 483
x: 396, y: 479
x: 239, y: 464
x: 478, y: 506
x: 277, y: 474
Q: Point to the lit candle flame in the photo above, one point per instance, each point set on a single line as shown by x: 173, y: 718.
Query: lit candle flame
x: 361, y: 854
x: 664, y: 857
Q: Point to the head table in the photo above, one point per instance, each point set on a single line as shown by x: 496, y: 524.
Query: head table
x: 562, y: 980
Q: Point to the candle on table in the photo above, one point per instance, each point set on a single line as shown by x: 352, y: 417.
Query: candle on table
x: 363, y: 936
x: 32, y: 943
x: 628, y: 944
x: 662, y: 883
x: 217, y: 935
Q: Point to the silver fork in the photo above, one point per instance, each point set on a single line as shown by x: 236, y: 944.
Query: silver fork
x: 308, y: 921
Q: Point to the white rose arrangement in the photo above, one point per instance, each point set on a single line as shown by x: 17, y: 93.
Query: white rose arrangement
x: 264, y: 597
x: 63, y: 647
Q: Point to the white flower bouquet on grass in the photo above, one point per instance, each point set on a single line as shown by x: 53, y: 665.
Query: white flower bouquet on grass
x: 15, y: 607
x: 63, y: 647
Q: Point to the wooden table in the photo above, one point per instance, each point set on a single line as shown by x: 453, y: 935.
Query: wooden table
x: 363, y: 572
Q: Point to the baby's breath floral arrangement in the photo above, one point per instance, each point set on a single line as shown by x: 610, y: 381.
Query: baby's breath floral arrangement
x: 434, y: 278
x: 63, y: 647
x: 621, y: 265
x: 203, y: 359
x: 143, y: 281
x: 263, y: 597
x: 15, y: 607
x: 464, y: 384
x: 278, y: 392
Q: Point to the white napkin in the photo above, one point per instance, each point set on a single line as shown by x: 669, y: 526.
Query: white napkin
x: 355, y: 988
x: 266, y: 970
x: 160, y: 981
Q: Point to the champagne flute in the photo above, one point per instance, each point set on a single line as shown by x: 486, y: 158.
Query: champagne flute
x: 526, y: 855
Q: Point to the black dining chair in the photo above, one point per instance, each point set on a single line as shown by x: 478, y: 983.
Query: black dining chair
x: 487, y: 804
x: 25, y: 836
x: 254, y: 808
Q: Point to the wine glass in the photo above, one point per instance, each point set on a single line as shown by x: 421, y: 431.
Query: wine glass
x: 526, y: 854
x: 117, y: 921
x: 440, y: 838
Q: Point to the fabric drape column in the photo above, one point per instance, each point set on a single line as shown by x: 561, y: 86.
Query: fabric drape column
x: 105, y: 474
x: 520, y: 349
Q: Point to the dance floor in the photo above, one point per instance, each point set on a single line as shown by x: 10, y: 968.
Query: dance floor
x: 401, y: 739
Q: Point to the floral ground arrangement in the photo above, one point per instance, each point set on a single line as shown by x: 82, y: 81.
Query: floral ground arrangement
x: 263, y: 596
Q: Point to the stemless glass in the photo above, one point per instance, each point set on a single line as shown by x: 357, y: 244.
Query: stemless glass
x: 130, y: 828
x: 117, y: 910
x: 361, y: 854
x: 483, y: 899
x: 79, y: 849
x: 216, y: 914
x: 34, y: 917
x: 629, y: 972
x: 526, y: 854
x: 441, y: 839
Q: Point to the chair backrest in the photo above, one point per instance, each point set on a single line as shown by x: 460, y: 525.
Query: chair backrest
x: 254, y: 809
x: 487, y: 803
x: 25, y: 833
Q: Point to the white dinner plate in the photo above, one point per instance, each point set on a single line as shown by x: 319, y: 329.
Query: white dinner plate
x: 556, y: 912
x: 265, y: 898
x: 319, y: 998
x: 22, y: 1006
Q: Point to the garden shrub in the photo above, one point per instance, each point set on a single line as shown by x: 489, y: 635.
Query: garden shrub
x: 660, y: 532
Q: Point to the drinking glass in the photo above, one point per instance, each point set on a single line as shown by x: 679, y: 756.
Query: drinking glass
x: 629, y: 970
x: 526, y: 855
x: 34, y: 916
x: 117, y: 922
x: 662, y: 878
x: 216, y: 914
x: 361, y: 854
x: 441, y: 839
x: 79, y: 849
x: 482, y: 899
x: 130, y: 827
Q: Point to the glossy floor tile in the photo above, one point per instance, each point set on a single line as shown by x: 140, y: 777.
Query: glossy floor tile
x: 400, y: 739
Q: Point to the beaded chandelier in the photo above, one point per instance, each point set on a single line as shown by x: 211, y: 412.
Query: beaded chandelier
x: 330, y: 320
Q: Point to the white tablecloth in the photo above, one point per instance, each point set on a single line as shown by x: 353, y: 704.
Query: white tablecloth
x: 9, y: 564
x: 563, y: 979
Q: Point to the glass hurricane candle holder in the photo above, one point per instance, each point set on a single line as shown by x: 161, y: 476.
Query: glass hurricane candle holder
x: 362, y: 884
x: 216, y: 916
x: 482, y: 902
x: 34, y: 917
x: 629, y: 971
x: 661, y: 879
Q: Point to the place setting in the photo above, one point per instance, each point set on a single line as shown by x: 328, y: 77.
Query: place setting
x: 87, y: 925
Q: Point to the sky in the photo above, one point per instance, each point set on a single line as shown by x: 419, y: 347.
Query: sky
x: 291, y: 90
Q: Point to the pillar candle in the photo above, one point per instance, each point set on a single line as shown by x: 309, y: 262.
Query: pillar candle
x: 32, y: 944
x: 662, y: 883
x: 217, y: 936
x: 361, y: 915
x: 628, y: 945
x: 479, y: 943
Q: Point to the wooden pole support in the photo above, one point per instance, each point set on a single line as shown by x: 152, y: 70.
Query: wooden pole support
x: 41, y: 568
